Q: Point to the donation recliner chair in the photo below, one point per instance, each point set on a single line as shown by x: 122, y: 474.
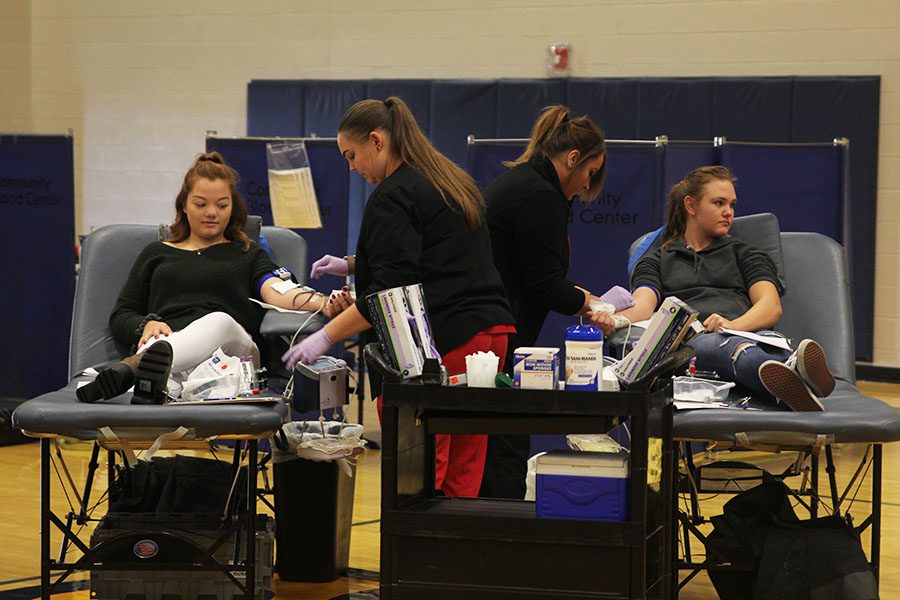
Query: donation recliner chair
x: 816, y: 304
x: 120, y: 428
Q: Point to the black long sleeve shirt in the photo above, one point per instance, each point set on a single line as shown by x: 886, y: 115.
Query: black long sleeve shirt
x: 410, y: 235
x: 528, y: 217
x: 181, y: 286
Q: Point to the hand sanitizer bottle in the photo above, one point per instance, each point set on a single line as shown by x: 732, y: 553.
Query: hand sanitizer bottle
x: 584, y: 358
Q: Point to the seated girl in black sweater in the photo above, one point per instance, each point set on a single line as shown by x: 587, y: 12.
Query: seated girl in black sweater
x: 190, y: 294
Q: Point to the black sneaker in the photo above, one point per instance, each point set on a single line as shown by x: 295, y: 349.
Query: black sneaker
x: 152, y: 377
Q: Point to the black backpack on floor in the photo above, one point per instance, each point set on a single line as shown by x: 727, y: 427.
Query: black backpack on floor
x: 785, y: 558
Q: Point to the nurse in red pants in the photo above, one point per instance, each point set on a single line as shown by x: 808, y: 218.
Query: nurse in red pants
x: 459, y: 458
x: 424, y: 223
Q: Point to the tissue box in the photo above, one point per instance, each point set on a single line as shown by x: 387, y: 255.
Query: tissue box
x: 582, y: 485
x: 536, y: 368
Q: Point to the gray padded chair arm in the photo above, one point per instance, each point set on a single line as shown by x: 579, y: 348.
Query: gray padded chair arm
x: 275, y: 323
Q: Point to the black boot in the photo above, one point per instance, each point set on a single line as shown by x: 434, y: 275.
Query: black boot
x: 110, y: 382
x: 152, y: 377
x: 89, y: 392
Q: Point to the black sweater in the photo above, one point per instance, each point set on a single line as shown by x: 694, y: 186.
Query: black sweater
x: 528, y: 216
x: 182, y: 285
x: 410, y: 235
x: 716, y: 279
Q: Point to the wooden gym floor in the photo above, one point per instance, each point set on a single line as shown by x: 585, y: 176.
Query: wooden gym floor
x: 19, y: 518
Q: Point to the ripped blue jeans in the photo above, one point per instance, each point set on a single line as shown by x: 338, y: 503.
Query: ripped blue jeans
x: 723, y: 354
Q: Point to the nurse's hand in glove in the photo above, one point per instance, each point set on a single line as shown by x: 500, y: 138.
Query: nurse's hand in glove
x: 618, y: 297
x: 308, y: 350
x: 329, y: 265
x: 338, y: 302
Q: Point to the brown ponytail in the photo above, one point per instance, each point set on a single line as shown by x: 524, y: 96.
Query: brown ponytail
x: 555, y: 132
x: 410, y: 145
x: 692, y: 185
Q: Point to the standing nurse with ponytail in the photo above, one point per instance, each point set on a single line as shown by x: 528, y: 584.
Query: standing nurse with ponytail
x: 424, y: 223
x: 528, y: 211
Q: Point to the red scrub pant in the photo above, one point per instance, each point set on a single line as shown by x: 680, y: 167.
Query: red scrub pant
x: 459, y: 458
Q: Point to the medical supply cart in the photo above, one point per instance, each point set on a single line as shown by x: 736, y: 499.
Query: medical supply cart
x: 442, y: 548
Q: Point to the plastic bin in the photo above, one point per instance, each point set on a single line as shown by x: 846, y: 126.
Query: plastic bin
x: 696, y: 389
x: 313, y: 516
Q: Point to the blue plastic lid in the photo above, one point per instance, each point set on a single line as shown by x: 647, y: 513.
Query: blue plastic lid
x: 584, y: 333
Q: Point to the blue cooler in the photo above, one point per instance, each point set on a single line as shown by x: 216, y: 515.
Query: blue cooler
x: 582, y: 485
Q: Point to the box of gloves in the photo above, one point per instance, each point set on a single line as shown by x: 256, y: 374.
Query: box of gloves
x: 401, y: 321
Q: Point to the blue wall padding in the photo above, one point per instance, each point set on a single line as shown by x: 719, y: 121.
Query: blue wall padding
x: 753, y: 109
x: 748, y: 109
x: 37, y: 206
x: 450, y: 124
x: 613, y: 105
x: 326, y: 103
x: 520, y: 101
x: 680, y: 108
x: 330, y: 179
x: 275, y: 108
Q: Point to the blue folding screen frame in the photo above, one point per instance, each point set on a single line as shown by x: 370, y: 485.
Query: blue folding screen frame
x: 740, y: 109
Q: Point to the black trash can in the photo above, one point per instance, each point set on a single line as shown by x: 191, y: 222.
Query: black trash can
x: 313, y: 515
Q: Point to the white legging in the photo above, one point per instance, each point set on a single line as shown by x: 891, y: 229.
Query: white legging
x: 197, y: 342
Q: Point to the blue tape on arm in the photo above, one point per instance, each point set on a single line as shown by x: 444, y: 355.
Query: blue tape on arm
x: 262, y: 280
x: 279, y: 273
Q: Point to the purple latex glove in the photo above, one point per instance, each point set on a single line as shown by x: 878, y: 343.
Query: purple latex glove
x: 328, y: 265
x: 618, y: 297
x: 308, y: 350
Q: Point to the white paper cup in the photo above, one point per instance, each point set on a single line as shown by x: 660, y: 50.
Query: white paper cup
x: 481, y: 370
